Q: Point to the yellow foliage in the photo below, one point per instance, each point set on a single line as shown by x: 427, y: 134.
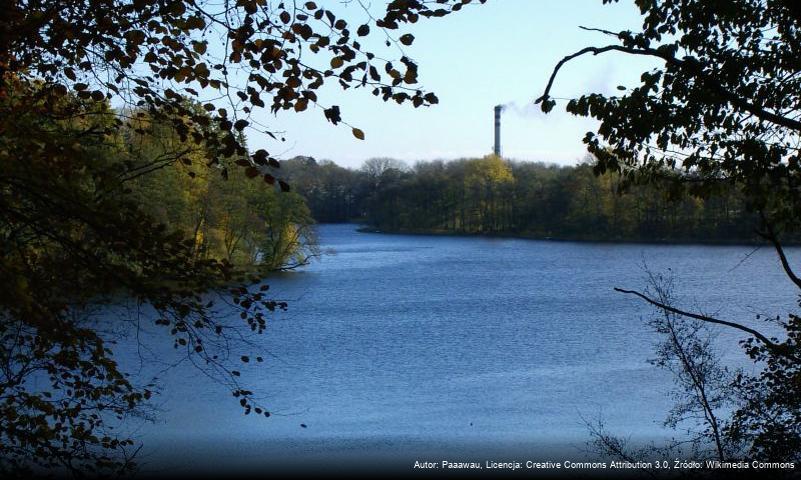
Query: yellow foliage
x: 490, y: 170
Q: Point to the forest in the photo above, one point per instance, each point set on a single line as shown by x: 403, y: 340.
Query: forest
x: 494, y: 196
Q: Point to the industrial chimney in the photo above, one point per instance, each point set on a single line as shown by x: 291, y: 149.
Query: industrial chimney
x: 497, y: 149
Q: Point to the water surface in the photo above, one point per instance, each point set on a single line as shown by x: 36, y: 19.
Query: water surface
x: 400, y: 347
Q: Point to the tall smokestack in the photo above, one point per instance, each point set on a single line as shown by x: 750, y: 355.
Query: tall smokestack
x: 497, y: 149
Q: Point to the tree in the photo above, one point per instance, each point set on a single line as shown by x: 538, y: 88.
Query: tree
x: 72, y: 234
x: 702, y: 390
x: 381, y: 174
x: 720, y: 111
x: 485, y: 178
x: 375, y: 168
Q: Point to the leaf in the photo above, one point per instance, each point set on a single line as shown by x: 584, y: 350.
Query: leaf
x: 407, y: 39
x: 332, y: 114
x: 251, y: 172
x: 337, y: 62
x: 260, y: 156
x: 364, y: 30
x: 358, y: 134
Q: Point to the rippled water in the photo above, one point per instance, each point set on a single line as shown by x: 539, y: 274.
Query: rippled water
x: 401, y: 347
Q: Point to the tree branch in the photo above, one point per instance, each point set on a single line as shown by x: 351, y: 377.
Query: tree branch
x: 771, y: 236
x: 778, y: 349
x: 688, y: 66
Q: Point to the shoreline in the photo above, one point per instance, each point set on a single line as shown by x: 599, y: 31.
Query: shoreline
x: 363, y: 228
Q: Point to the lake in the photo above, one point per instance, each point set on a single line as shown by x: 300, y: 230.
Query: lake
x: 398, y: 348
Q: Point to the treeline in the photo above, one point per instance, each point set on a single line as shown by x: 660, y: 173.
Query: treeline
x: 493, y: 196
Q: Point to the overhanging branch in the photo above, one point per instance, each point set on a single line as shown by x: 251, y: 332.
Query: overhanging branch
x: 778, y: 349
x: 689, y: 66
x: 771, y: 236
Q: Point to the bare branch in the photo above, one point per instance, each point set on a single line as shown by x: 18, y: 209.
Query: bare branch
x: 765, y: 340
x: 773, y: 238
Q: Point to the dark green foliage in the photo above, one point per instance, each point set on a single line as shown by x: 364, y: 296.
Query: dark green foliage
x: 768, y: 420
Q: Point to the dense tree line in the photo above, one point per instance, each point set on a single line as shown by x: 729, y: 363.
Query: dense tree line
x: 491, y: 195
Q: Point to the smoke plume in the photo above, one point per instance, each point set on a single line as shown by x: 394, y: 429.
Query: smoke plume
x: 527, y: 109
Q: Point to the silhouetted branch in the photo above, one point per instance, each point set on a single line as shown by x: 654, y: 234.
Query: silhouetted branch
x: 593, y: 29
x: 609, y: 444
x: 687, y: 65
x: 704, y: 318
x: 770, y: 235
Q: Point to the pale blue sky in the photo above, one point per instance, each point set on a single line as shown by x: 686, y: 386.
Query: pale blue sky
x: 485, y: 55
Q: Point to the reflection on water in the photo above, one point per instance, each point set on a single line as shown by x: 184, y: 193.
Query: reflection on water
x: 399, y: 346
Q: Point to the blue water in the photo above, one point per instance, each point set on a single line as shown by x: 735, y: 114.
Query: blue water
x: 396, y: 347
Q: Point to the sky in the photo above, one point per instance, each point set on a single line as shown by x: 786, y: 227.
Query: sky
x: 497, y: 53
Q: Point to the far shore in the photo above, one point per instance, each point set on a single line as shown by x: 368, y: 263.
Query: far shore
x: 755, y: 242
